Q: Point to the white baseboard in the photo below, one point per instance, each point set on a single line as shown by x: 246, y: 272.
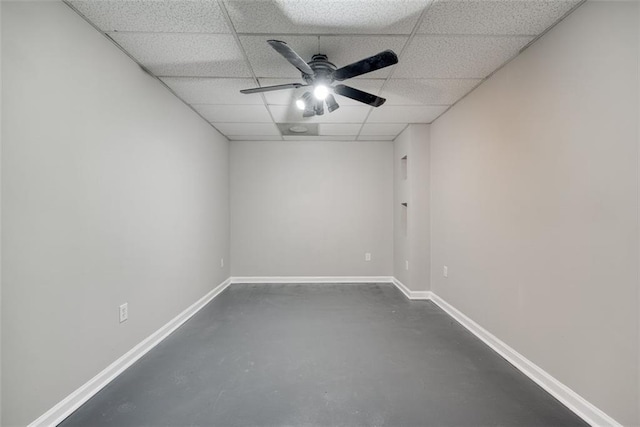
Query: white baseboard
x: 64, y: 408
x: 412, y: 295
x: 312, y: 279
x: 564, y: 394
x: 572, y: 400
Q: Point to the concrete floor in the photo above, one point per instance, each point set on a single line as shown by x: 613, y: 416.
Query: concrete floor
x: 321, y: 355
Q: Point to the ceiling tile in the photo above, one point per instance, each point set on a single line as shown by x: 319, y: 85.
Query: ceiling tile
x: 207, y: 90
x: 247, y: 129
x: 427, y: 91
x: 254, y: 138
x: 376, y: 138
x: 345, y: 50
x: 170, y: 54
x: 382, y: 129
x: 176, y: 16
x: 266, y: 62
x: 405, y: 114
x: 346, y: 114
x: 494, y: 16
x: 339, y: 128
x: 326, y: 17
x: 457, y: 56
x: 319, y: 138
x: 234, y: 113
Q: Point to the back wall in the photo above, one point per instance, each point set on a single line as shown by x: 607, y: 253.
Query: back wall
x: 312, y: 208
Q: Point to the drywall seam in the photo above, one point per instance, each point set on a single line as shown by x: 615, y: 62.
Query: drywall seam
x: 311, y: 279
x: 572, y: 400
x: 73, y: 401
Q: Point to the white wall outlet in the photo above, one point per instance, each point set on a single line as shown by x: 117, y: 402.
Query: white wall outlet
x: 124, y: 312
x: 367, y: 256
x: 406, y: 265
x: 221, y: 262
x: 445, y: 271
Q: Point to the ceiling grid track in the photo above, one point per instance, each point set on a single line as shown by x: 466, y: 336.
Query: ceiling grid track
x: 206, y: 52
x: 142, y: 67
x: 535, y: 39
x: 225, y: 12
x: 414, y: 31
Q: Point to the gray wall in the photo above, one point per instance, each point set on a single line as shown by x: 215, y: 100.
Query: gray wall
x: 412, y: 234
x: 113, y: 191
x: 1, y: 215
x: 535, y: 205
x: 311, y: 208
x: 400, y: 213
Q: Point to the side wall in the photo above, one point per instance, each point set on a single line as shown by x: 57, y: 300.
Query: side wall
x: 311, y: 208
x: 113, y: 191
x: 535, y: 205
x: 412, y: 222
x: 401, y: 250
x: 1, y: 119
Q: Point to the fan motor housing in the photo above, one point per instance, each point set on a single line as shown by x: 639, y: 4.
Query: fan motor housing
x: 322, y: 70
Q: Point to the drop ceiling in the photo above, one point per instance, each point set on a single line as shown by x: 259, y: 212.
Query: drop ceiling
x: 205, y: 51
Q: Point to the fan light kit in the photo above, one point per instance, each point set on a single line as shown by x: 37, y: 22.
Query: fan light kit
x: 320, y: 74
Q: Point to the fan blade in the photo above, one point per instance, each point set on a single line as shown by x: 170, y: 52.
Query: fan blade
x: 358, y: 95
x: 290, y: 55
x: 367, y: 65
x: 275, y: 87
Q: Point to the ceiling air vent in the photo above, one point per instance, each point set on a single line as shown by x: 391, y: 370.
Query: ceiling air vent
x: 298, y: 129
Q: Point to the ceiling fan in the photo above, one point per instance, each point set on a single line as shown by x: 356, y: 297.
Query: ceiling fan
x: 320, y: 73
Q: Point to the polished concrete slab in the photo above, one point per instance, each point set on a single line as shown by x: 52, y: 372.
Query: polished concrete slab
x: 321, y: 355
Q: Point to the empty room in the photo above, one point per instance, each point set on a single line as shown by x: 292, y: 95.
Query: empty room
x: 348, y: 213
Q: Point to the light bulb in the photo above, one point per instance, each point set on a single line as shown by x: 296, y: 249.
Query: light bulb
x: 321, y: 92
x: 304, y: 102
x: 332, y: 105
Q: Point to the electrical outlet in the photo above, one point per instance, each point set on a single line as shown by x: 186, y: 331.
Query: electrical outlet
x: 445, y: 271
x: 406, y: 265
x: 367, y: 256
x: 124, y: 312
x: 221, y: 262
